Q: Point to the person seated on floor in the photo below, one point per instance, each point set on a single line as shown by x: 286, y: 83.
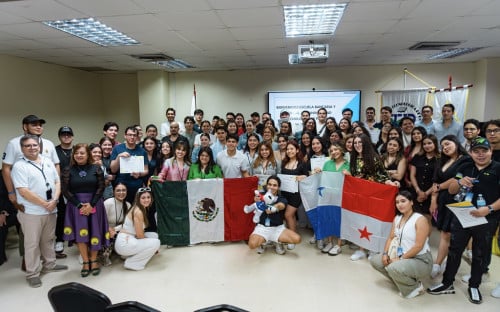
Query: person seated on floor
x: 407, y: 258
x: 132, y: 243
x: 270, y: 226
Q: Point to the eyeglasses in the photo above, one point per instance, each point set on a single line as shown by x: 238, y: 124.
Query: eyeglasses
x: 144, y: 189
x: 131, y: 134
x: 30, y: 145
x: 493, y: 131
x: 471, y: 129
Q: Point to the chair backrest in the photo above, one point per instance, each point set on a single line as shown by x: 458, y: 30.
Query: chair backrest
x: 222, y: 308
x: 130, y: 306
x: 76, y: 297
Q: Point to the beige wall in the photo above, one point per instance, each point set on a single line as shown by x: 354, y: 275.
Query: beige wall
x: 245, y: 91
x: 63, y: 96
x: 85, y: 101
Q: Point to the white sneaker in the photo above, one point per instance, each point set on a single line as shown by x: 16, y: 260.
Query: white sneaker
x: 261, y: 249
x: 59, y: 247
x: 327, y: 248
x: 312, y: 240
x: 436, y: 270
x: 320, y: 244
x: 485, y: 278
x: 496, y: 291
x: 358, y: 255
x: 416, y: 292
x: 335, y: 250
x: 290, y: 246
x: 279, y: 249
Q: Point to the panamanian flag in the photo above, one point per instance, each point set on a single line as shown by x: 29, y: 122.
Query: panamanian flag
x: 209, y: 210
x: 358, y: 210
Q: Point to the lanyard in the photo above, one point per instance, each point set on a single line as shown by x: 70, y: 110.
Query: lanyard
x: 39, y: 169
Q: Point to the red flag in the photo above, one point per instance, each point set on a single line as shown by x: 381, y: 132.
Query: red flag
x: 237, y: 193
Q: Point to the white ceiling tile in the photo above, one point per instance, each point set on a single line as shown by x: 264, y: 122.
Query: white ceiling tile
x: 97, y: 8
x: 255, y: 33
x: 241, y: 4
x: 252, y: 17
x: 174, y: 5
x: 40, y: 10
x: 191, y: 20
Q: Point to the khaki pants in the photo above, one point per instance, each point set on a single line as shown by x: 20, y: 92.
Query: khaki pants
x: 405, y: 273
x: 39, y: 236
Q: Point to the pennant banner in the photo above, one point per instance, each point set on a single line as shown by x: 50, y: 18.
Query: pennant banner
x: 405, y: 103
x: 209, y: 210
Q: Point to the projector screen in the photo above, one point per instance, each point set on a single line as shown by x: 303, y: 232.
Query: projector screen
x: 294, y: 102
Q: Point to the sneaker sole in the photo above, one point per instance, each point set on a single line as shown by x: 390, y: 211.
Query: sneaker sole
x: 444, y: 292
x: 333, y: 255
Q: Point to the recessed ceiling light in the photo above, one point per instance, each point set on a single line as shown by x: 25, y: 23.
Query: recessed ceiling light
x: 92, y: 30
x: 307, y: 20
x: 451, y: 53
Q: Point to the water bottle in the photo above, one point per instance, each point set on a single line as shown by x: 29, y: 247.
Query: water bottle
x: 461, y: 193
x: 480, y: 202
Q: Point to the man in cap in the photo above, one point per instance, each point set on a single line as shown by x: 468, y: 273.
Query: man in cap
x: 64, y: 151
x: 31, y: 125
x: 481, y: 177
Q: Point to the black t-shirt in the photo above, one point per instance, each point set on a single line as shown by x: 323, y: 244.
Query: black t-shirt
x: 275, y: 218
x: 488, y: 185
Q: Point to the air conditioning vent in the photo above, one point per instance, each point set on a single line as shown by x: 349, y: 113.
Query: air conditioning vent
x: 434, y: 45
x: 153, y: 57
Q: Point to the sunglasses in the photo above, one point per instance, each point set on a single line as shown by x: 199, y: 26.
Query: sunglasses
x: 144, y: 189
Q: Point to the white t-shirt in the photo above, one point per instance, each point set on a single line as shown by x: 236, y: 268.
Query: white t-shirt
x: 13, y: 151
x: 232, y: 166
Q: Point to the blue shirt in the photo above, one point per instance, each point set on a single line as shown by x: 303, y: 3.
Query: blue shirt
x: 454, y: 128
x: 127, y: 178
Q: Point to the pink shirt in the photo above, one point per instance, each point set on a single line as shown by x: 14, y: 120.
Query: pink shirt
x: 172, y: 172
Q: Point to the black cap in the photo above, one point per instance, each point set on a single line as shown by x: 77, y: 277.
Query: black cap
x: 65, y: 129
x: 480, y: 142
x: 32, y: 119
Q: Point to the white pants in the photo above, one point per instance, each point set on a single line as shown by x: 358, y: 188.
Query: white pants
x: 137, y: 251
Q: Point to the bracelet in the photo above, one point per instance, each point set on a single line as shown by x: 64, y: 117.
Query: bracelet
x: 385, y: 253
x: 490, y: 208
x: 11, y: 193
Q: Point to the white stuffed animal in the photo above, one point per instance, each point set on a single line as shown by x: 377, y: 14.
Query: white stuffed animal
x: 266, y: 200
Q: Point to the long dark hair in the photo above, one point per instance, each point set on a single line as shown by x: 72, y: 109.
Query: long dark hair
x: 300, y: 157
x: 368, y: 155
x: 124, y: 202
x: 211, y: 162
x: 137, y: 203
x: 460, y: 149
x: 247, y: 148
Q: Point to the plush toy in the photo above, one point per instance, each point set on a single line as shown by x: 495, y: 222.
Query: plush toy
x: 266, y: 201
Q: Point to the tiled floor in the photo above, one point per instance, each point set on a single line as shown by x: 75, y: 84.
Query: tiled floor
x: 189, y: 278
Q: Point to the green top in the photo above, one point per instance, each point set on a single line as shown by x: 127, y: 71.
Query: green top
x: 331, y: 167
x: 195, y: 173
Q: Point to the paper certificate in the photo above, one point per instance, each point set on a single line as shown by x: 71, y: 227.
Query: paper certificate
x: 289, y: 183
x: 318, y: 162
x: 131, y: 164
x: 462, y: 212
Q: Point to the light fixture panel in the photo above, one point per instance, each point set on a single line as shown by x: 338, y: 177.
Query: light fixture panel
x: 313, y: 19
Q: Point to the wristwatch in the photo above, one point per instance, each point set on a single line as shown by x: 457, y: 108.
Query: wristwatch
x: 490, y: 208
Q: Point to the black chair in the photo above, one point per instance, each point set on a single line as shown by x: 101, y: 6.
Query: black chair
x: 222, y: 308
x: 130, y: 306
x: 76, y: 297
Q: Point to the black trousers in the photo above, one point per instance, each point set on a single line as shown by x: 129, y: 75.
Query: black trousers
x: 482, y: 236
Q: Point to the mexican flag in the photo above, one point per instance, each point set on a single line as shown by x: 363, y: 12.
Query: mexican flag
x: 209, y: 210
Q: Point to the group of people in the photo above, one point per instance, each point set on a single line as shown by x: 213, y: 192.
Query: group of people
x: 428, y: 160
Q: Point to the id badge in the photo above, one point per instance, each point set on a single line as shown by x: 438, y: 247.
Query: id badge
x: 399, y: 251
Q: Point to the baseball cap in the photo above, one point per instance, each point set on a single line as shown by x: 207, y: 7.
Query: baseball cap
x: 480, y: 142
x: 32, y: 119
x: 65, y: 129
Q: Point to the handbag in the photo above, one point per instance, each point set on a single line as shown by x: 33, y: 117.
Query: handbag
x: 495, y: 248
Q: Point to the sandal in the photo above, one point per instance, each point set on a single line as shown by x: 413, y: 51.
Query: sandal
x: 85, y: 272
x: 95, y: 271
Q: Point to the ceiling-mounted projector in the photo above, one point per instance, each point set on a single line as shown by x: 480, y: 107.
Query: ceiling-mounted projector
x: 312, y: 53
